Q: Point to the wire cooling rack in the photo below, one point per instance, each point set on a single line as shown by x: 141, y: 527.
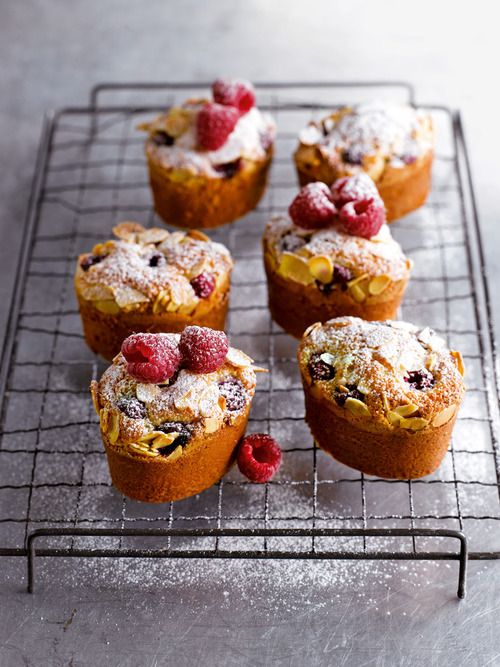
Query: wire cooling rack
x: 55, y: 493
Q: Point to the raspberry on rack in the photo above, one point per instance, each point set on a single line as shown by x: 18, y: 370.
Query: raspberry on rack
x: 203, y: 350
x: 313, y: 207
x: 259, y: 457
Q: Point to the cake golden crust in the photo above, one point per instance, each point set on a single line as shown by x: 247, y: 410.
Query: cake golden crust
x: 143, y: 282
x: 173, y: 440
x: 299, y: 291
x: 186, y: 200
x: 388, y: 403
x: 392, y: 144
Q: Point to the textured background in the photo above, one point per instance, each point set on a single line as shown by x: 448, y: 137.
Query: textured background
x: 51, y: 53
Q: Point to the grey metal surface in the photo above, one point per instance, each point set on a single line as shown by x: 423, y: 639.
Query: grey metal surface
x: 133, y: 613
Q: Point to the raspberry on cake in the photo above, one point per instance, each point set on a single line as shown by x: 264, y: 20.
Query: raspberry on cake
x: 388, y: 403
x: 333, y: 260
x: 171, y: 431
x: 208, y: 160
x: 391, y: 143
x: 151, y: 280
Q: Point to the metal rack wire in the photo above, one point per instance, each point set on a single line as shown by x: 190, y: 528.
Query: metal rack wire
x: 54, y: 485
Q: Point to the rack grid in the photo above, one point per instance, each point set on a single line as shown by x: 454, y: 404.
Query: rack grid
x: 54, y: 485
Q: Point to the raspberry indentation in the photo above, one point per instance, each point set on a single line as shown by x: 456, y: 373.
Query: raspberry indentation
x: 353, y: 188
x: 234, y: 393
x: 203, y: 285
x: 363, y: 218
x: 259, y: 457
x: 214, y: 124
x: 203, y: 350
x: 313, y: 207
x: 157, y: 259
x: 161, y: 138
x: 352, y: 392
x: 237, y: 93
x: 131, y: 407
x: 229, y: 169
x: 421, y: 379
x: 91, y: 260
x: 151, y: 358
x: 320, y: 369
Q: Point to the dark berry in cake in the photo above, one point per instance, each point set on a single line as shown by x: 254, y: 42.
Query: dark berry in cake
x: 352, y: 392
x: 161, y: 138
x: 421, y: 379
x: 182, y: 439
x: 234, y: 393
x: 157, y: 259
x: 131, y: 407
x: 291, y: 242
x: 229, y: 169
x: 320, y: 369
x: 203, y: 285
x: 353, y: 155
x: 341, y: 276
x: 90, y: 260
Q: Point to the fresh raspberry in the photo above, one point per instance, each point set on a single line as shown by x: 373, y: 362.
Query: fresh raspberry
x: 236, y: 93
x: 313, y: 207
x: 151, y: 358
x: 203, y: 285
x: 214, y: 124
x: 259, y: 457
x: 353, y: 188
x: 362, y: 218
x: 131, y: 407
x: 203, y: 350
x: 421, y: 380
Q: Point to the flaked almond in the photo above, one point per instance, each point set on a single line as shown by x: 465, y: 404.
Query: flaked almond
x: 161, y: 302
x: 177, y: 121
x: 113, y: 427
x: 153, y: 235
x: 94, y: 392
x: 177, y: 453
x: 128, y: 296
x: 238, y: 358
x: 295, y: 268
x: 321, y: 267
x: 107, y: 306
x: 393, y: 417
x: 211, y: 424
x: 356, y: 407
x: 357, y: 293
x: 327, y: 358
x: 198, y: 268
x: 458, y: 361
x: 138, y: 448
x: 310, y: 329
x: 357, y: 280
x: 163, y: 440
x: 444, y: 416
x: 406, y: 410
x: 385, y: 403
x: 147, y: 392
x: 127, y: 230
x: 98, y: 292
x: 199, y: 236
x: 103, y: 419
x: 413, y: 423
x: 378, y: 284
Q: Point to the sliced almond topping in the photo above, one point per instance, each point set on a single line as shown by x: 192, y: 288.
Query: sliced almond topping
x: 414, y: 423
x: 295, y: 268
x: 385, y: 403
x: 96, y: 292
x: 238, y: 358
x: 444, y: 416
x: 177, y: 121
x: 113, y: 427
x: 143, y: 449
x: 431, y: 361
x: 406, y: 410
x: 108, y: 306
x: 459, y: 361
x: 127, y: 230
x: 198, y: 268
x: 378, y: 284
x: 327, y: 358
x: 153, y: 235
x: 393, y: 417
x: 164, y: 439
x: 310, y: 329
x: 357, y: 293
x: 199, y: 236
x: 222, y: 402
x: 94, y: 392
x: 357, y: 408
x: 177, y: 237
x: 147, y: 392
x: 127, y: 296
x: 175, y: 454
x: 211, y: 424
x: 103, y: 419
x: 357, y: 280
x: 161, y: 302
x: 321, y: 267
x: 259, y: 369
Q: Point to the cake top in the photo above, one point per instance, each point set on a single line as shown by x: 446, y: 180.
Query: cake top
x: 388, y: 133
x: 376, y: 256
x: 212, y: 138
x: 392, y: 372
x: 145, y: 417
x: 144, y: 265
